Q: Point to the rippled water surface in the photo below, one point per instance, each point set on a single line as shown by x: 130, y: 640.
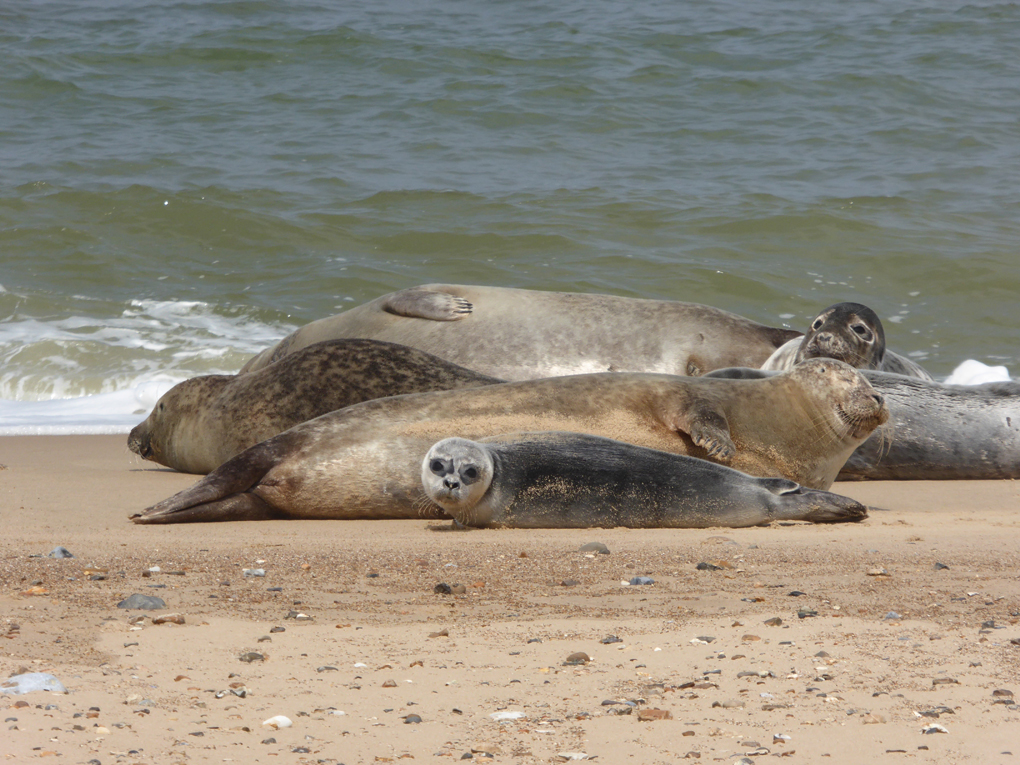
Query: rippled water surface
x: 182, y: 183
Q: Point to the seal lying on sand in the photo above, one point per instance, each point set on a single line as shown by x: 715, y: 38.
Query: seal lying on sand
x: 526, y: 334
x: 935, y: 431
x: 365, y: 461
x: 850, y: 332
x: 201, y: 423
x: 572, y: 480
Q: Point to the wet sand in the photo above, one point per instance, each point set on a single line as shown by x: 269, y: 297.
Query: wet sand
x: 843, y: 678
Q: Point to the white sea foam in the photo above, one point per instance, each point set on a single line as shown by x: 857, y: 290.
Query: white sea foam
x: 973, y: 372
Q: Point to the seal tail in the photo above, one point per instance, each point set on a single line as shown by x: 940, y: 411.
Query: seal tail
x: 797, y: 503
x: 223, y: 495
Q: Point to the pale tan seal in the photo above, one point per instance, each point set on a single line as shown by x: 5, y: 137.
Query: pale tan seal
x: 365, y: 461
x: 850, y: 332
x: 573, y: 480
x: 934, y: 432
x: 201, y: 423
x: 518, y: 334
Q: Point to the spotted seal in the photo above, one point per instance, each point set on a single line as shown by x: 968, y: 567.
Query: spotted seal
x: 201, y: 423
x: 364, y: 461
x: 850, y: 332
x: 574, y: 480
x: 517, y: 334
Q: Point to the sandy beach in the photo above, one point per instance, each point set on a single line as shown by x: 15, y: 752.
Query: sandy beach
x: 792, y: 644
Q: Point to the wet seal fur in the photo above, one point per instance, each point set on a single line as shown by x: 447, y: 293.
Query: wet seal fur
x: 572, y: 480
x: 200, y: 423
x: 519, y: 334
x: 935, y: 431
x: 365, y: 461
x: 850, y: 332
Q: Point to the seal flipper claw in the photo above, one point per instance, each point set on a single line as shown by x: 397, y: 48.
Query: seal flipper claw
x: 708, y: 429
x: 416, y: 303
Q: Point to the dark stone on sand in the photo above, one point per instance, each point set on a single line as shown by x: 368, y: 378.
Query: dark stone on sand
x: 595, y: 547
x: 59, y: 552
x: 412, y: 720
x: 704, y: 566
x: 147, y: 602
x: 611, y: 639
x: 641, y: 580
x: 442, y: 589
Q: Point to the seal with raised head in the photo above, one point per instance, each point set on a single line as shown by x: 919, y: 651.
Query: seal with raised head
x: 200, y: 423
x: 573, y: 480
x: 519, y: 334
x: 850, y: 332
x: 934, y: 431
x: 365, y: 461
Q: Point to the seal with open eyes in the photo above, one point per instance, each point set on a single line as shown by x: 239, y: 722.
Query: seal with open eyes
x: 200, y: 423
x: 364, y: 461
x: 518, y: 334
x: 934, y: 431
x: 572, y: 480
x: 850, y: 332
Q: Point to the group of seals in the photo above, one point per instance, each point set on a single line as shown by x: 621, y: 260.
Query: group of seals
x: 934, y: 431
x: 364, y: 461
x: 850, y: 332
x: 200, y: 423
x: 518, y: 334
x: 571, y: 480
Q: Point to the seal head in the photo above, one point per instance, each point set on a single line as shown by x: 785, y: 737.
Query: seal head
x: 850, y: 332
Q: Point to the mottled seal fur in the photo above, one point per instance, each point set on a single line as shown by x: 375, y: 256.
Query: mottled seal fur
x: 364, y: 461
x: 573, y: 480
x: 850, y: 332
x: 518, y: 334
x: 935, y: 431
x: 201, y: 423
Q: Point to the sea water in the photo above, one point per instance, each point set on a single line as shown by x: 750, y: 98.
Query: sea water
x: 182, y: 183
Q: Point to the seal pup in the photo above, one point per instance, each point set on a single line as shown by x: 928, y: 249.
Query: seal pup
x: 934, y: 432
x: 519, y: 334
x: 850, y: 332
x: 200, y: 423
x: 576, y: 481
x: 364, y: 461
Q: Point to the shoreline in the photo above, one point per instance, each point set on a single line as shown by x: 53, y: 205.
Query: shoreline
x: 367, y: 587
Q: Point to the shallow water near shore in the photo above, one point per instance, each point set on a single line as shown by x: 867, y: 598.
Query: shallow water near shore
x: 183, y: 184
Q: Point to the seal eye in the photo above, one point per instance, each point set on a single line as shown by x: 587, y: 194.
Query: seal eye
x: 469, y: 474
x: 861, y: 331
x: 437, y: 467
x: 817, y: 323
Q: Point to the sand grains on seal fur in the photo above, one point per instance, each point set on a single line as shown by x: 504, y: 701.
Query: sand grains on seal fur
x: 364, y: 461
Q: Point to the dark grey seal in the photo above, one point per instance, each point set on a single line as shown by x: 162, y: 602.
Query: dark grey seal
x: 526, y: 334
x: 850, y: 332
x: 572, y: 480
x: 364, y: 461
x: 200, y: 423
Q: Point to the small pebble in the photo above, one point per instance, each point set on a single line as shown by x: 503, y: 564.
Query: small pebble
x: 277, y: 722
x: 59, y: 552
x: 595, y: 547
x: 251, y: 656
x: 704, y: 566
x: 609, y: 639
x: 775, y: 621
x: 649, y: 715
x: 638, y: 580
x: 412, y: 720
x: 578, y: 658
x: 146, y: 602
x: 442, y: 589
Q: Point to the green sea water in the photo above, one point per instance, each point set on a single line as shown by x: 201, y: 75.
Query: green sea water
x: 182, y: 183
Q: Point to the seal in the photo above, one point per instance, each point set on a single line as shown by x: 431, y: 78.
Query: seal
x: 577, y: 481
x: 850, y: 332
x: 934, y: 431
x: 364, y: 461
x: 518, y: 334
x: 201, y: 423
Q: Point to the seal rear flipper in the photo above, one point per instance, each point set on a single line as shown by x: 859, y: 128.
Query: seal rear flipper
x: 797, y: 503
x: 416, y: 303
x: 227, y: 486
x: 238, y: 507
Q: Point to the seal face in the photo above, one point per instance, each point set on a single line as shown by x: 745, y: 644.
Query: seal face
x: 201, y: 423
x: 364, y: 461
x: 572, y: 480
x: 850, y: 332
x: 527, y: 334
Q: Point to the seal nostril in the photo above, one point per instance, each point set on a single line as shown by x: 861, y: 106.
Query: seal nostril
x: 450, y: 484
x: 878, y: 398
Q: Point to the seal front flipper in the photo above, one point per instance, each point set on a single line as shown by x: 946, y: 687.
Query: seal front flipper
x: 708, y: 428
x: 417, y: 303
x: 223, y: 495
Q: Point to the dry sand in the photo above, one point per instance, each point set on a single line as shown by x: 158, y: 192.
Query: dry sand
x: 846, y: 683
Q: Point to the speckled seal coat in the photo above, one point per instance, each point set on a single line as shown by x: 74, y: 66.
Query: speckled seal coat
x: 364, y: 461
